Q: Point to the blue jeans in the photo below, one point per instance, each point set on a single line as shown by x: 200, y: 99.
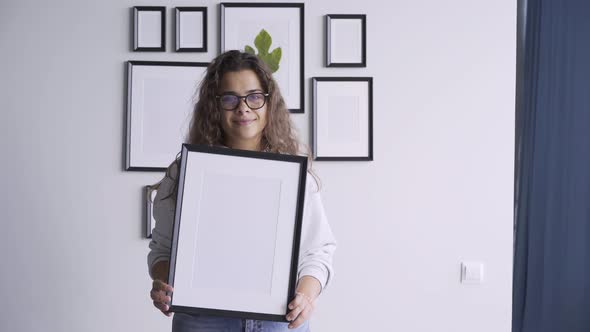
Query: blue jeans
x: 201, y: 323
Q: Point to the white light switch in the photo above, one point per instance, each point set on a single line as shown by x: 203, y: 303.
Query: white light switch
x: 472, y: 272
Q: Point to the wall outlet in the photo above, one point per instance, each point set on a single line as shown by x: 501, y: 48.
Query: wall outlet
x: 472, y: 272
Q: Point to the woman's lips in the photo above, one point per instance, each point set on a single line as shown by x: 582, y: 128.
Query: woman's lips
x: 244, y: 122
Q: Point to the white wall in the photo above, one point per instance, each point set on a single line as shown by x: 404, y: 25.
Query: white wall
x: 438, y: 192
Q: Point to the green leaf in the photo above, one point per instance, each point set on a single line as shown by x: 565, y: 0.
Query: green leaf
x: 273, y: 59
x: 249, y: 49
x: 276, y: 55
x: 272, y: 64
x: 263, y: 42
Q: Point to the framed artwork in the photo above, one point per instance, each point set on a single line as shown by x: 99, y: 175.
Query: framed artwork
x: 228, y: 256
x: 150, y: 222
x: 274, y: 32
x: 149, y: 29
x: 342, y: 118
x: 191, y: 29
x: 160, y: 100
x: 346, y: 40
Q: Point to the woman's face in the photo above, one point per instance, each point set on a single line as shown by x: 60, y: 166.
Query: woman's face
x: 242, y: 126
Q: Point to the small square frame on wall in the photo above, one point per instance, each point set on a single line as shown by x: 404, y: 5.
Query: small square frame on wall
x: 191, y: 29
x: 342, y: 118
x: 346, y: 40
x: 149, y: 29
x: 275, y: 32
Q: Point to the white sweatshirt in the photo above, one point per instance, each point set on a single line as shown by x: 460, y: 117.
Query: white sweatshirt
x: 317, y: 242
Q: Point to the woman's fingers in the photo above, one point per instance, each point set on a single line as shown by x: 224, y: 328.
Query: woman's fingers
x: 160, y: 297
x: 160, y: 285
x: 297, y: 301
x: 162, y: 306
x: 296, y: 306
x: 162, y: 303
x: 302, y: 317
x: 301, y: 309
x: 294, y: 313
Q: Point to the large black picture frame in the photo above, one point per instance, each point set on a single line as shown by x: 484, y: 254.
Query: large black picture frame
x: 335, y: 135
x: 279, y: 16
x: 215, y: 249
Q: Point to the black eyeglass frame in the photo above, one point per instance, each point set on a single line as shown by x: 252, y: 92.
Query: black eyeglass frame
x: 245, y: 100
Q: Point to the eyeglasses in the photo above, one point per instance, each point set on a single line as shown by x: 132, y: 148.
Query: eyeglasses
x: 254, y: 100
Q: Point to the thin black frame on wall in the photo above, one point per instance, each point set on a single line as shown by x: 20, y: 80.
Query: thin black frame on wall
x: 362, y: 43
x: 292, y: 85
x: 158, y: 90
x: 149, y: 222
x: 137, y: 29
x: 337, y: 134
x: 178, y: 39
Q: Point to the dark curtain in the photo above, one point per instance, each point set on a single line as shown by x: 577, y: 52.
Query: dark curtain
x: 552, y: 251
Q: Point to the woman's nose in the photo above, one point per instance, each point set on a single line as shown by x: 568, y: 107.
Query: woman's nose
x: 242, y: 106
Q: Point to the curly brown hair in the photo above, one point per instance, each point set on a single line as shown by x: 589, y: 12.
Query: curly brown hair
x: 278, y: 136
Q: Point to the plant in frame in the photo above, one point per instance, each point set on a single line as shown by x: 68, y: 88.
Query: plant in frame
x: 262, y: 43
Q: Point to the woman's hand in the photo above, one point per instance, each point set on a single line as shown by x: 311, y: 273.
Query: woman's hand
x: 161, y: 299
x: 302, y: 306
x: 301, y: 309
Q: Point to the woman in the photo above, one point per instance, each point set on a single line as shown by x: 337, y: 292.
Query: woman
x: 240, y: 107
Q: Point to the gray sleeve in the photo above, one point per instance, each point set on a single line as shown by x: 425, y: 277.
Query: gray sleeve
x: 164, y: 206
x: 317, y: 241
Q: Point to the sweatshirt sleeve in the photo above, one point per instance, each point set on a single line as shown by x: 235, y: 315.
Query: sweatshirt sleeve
x: 317, y: 241
x: 164, y: 206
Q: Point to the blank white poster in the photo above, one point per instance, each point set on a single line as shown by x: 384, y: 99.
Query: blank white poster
x: 243, y: 236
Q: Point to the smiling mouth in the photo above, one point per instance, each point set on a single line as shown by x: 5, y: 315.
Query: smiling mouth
x: 244, y: 122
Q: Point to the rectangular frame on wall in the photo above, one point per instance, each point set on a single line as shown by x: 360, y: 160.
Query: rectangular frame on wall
x: 191, y: 29
x: 215, y: 267
x: 342, y: 118
x: 241, y: 23
x: 149, y: 29
x: 160, y: 101
x: 150, y: 222
x: 346, y: 40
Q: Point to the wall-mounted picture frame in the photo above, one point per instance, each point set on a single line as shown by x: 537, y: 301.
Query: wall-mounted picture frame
x: 216, y: 268
x: 346, y: 40
x: 149, y: 221
x: 342, y: 118
x: 160, y: 100
x: 275, y: 32
x: 149, y: 29
x: 191, y: 29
